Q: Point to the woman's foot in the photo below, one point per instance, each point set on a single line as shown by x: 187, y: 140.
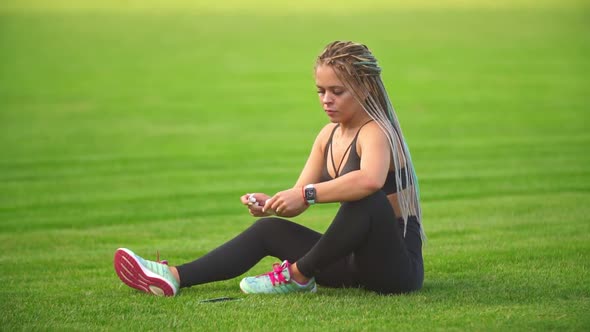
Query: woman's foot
x: 147, y: 276
x: 278, y: 281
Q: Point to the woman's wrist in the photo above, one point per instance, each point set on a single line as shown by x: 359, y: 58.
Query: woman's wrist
x: 309, y: 194
x: 303, y: 196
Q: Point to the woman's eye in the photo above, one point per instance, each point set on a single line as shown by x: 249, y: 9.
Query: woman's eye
x: 321, y: 92
x: 338, y: 92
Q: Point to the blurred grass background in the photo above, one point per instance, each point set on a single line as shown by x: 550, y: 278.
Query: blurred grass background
x: 139, y: 124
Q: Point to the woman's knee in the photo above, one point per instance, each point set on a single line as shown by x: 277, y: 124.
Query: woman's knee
x: 270, y: 223
x: 376, y: 200
x: 265, y: 222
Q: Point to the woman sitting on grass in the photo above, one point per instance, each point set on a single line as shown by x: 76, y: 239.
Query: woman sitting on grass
x: 359, y: 159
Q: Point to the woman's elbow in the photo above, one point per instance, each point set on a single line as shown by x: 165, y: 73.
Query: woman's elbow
x: 372, y: 184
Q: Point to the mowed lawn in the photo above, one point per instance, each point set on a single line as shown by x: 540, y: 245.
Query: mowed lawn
x: 140, y: 128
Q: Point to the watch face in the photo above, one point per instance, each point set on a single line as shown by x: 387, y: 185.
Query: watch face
x: 310, y: 194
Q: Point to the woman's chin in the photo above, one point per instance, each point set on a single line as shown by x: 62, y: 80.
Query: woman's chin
x: 333, y: 118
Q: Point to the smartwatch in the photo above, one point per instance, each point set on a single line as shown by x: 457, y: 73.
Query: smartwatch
x: 309, y: 194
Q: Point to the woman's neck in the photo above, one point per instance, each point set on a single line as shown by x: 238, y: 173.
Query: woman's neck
x: 349, y: 128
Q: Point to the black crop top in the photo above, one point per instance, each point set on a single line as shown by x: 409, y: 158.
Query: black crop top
x: 353, y: 163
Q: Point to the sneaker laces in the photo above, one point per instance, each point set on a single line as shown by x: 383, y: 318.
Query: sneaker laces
x: 165, y: 262
x: 276, y: 275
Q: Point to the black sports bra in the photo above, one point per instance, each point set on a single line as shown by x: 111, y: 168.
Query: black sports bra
x: 353, y: 163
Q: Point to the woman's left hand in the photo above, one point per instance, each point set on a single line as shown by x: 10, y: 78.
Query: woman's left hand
x: 287, y: 203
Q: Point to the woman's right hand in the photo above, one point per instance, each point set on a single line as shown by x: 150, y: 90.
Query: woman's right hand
x: 256, y: 209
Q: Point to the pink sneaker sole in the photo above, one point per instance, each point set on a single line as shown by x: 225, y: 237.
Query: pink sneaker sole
x: 136, y: 276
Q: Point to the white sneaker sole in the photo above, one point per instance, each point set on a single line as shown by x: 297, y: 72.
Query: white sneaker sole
x: 134, y: 275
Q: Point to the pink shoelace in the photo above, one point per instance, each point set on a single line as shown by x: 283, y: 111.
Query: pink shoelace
x: 276, y: 275
x: 165, y: 262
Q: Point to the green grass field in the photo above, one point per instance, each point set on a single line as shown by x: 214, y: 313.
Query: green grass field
x: 141, y: 125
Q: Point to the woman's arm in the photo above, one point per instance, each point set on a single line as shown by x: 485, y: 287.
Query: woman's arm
x: 375, y: 162
x: 290, y: 202
x: 312, y: 170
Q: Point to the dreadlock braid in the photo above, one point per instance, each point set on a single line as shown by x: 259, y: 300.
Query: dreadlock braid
x: 358, y: 70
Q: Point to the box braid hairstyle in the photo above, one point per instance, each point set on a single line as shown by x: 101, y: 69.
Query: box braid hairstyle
x: 357, y: 68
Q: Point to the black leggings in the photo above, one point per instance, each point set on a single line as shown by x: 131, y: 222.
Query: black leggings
x: 363, y: 247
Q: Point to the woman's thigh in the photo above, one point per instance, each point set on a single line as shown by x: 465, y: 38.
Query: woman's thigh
x: 383, y: 263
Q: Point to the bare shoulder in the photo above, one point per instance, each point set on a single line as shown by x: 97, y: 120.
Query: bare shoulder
x: 372, y: 133
x: 328, y: 128
x: 371, y: 136
x: 324, y: 134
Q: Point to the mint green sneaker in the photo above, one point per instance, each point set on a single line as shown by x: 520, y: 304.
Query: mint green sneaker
x: 147, y: 276
x: 277, y: 281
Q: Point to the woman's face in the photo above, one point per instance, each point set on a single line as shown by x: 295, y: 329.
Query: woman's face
x: 337, y: 101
